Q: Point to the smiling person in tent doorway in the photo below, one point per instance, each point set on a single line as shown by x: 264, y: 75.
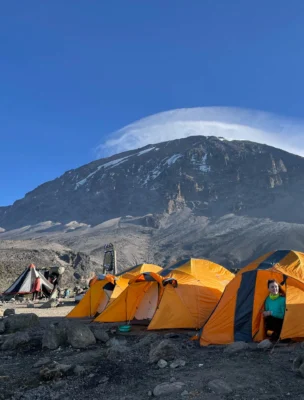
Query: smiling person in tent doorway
x: 274, y: 310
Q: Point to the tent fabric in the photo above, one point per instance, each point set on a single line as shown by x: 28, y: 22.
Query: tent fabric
x: 104, y: 289
x: 154, y: 297
x: 96, y: 298
x: 24, y: 284
x: 238, y: 315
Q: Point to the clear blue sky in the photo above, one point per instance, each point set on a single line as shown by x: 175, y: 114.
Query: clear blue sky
x: 72, y: 72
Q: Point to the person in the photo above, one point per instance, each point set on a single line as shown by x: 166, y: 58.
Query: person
x: 274, y: 310
x: 36, y: 288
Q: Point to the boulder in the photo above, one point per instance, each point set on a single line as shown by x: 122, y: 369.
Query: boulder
x: 116, y: 353
x: 79, y: 370
x: 220, y: 387
x: 54, y: 337
x: 165, y: 350
x: 9, y: 311
x: 236, y: 347
x: 16, y: 341
x: 297, y: 362
x: 52, y: 303
x: 265, y: 344
x: 18, y: 322
x: 2, y: 326
x: 100, y: 334
x: 147, y: 340
x: 168, y: 388
x: 80, y: 336
x: 54, y: 371
x: 177, y: 363
x: 162, y: 364
x: 116, y: 342
x: 42, y: 362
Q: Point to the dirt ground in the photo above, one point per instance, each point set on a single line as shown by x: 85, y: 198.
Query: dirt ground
x: 250, y: 374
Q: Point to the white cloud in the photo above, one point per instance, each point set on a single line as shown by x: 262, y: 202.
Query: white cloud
x: 230, y: 123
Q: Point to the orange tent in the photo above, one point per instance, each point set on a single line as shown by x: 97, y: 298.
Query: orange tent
x: 172, y: 298
x: 104, y: 289
x: 238, y: 315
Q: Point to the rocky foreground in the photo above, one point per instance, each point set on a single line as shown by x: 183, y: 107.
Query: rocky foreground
x: 55, y: 358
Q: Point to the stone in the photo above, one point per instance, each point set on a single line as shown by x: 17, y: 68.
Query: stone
x: 54, y: 337
x: 30, y: 305
x: 265, y: 344
x: 162, y: 364
x: 42, y: 362
x: 100, y: 334
x: 165, y: 350
x: 16, y: 341
x: 80, y: 336
x: 2, y: 326
x: 168, y: 388
x: 79, y: 370
x: 297, y: 362
x: 147, y: 340
x: 172, y: 335
x: 116, y: 353
x: 172, y: 379
x: 177, y: 363
x: 17, y: 322
x: 220, y: 387
x: 236, y: 347
x: 185, y: 393
x: 116, y: 342
x: 104, y: 379
x: 54, y: 371
x: 52, y: 303
x: 9, y: 311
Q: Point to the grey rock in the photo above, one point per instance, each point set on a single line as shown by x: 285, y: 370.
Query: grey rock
x: 236, y: 347
x: 117, y: 353
x: 147, y: 340
x: 54, y: 337
x: 220, y: 387
x: 265, y: 344
x: 185, y: 393
x: 2, y: 326
x: 79, y: 370
x: 164, y: 350
x: 18, y: 322
x: 168, y: 388
x: 177, y: 363
x: 80, y: 336
x: 42, y: 362
x: 9, y: 311
x: 116, y: 342
x: 52, y: 303
x: 100, y: 334
x: 162, y: 364
x: 16, y: 341
x: 172, y: 379
x: 30, y: 305
x: 54, y: 371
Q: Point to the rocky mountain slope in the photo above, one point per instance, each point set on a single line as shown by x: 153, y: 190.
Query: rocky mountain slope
x: 209, y: 175
x: 229, y: 201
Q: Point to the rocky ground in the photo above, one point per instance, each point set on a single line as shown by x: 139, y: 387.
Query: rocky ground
x: 49, y: 357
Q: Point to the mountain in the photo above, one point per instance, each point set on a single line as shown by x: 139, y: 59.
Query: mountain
x: 211, y: 176
x: 198, y: 196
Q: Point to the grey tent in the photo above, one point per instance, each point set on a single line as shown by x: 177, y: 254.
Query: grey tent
x: 24, y: 284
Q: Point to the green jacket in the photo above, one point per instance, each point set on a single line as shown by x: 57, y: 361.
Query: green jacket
x: 277, y: 306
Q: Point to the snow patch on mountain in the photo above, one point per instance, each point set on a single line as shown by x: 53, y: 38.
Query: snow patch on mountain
x: 173, y: 159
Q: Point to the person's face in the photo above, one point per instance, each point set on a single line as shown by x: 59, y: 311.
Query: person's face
x: 273, y: 288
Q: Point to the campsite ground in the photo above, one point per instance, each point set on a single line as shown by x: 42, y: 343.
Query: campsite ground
x: 123, y: 371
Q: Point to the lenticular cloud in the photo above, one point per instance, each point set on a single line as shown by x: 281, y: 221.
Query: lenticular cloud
x: 229, y: 123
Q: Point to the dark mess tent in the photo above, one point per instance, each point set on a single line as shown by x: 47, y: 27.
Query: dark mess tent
x: 24, y: 284
x: 239, y: 313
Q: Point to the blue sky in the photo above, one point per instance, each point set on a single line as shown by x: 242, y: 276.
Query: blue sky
x: 71, y: 72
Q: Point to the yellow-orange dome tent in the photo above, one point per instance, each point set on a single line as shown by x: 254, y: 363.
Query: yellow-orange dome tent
x: 171, y: 298
x: 104, y: 289
x: 238, y: 315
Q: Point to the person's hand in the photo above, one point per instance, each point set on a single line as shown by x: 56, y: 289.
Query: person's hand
x: 267, y: 313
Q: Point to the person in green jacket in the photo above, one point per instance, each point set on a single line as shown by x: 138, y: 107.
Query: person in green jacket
x: 274, y: 310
